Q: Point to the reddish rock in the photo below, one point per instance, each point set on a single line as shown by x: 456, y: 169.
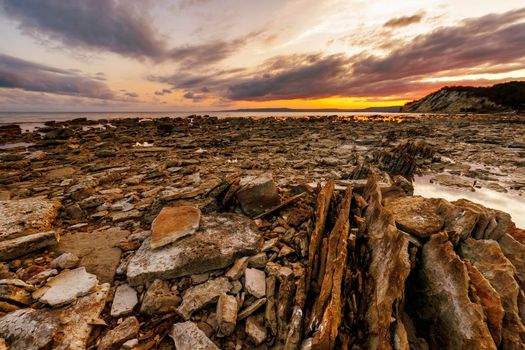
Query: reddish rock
x: 174, y: 223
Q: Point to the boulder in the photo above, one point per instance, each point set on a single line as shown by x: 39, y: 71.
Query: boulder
x: 174, y: 223
x: 65, y: 261
x: 258, y: 195
x: 220, y: 240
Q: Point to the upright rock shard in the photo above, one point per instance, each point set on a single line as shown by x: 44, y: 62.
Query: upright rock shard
x: 455, y: 322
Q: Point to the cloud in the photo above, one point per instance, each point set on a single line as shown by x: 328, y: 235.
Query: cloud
x: 129, y: 94
x: 404, y: 21
x: 194, y: 97
x: 16, y: 73
x: 163, y: 92
x: 120, y: 27
x: 485, y: 44
x: 96, y: 24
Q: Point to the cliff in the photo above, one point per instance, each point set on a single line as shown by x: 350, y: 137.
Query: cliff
x: 506, y: 97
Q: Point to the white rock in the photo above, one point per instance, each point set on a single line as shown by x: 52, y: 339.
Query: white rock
x: 227, y: 313
x: 124, y: 301
x: 66, y: 287
x: 255, y: 330
x: 65, y: 261
x: 187, y: 336
x: 255, y: 282
x: 199, y: 296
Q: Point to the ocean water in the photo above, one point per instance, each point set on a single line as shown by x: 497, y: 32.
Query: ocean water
x: 30, y: 121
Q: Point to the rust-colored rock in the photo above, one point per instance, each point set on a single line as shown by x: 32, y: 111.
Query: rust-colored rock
x: 174, y: 223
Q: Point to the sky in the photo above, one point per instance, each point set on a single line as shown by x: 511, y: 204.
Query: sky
x: 204, y: 55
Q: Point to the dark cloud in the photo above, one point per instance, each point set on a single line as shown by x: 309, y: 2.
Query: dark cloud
x: 130, y: 94
x: 194, y: 97
x: 205, y: 54
x: 96, y: 24
x: 110, y: 25
x: 163, y: 92
x: 475, y: 45
x: 16, y: 73
x: 404, y: 21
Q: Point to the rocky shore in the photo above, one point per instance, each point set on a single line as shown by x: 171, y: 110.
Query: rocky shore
x: 297, y: 233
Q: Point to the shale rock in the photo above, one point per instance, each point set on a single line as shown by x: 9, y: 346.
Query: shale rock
x: 220, y: 239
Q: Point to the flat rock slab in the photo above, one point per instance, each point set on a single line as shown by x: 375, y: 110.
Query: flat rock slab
x: 77, y: 319
x: 97, y: 251
x: 16, y: 247
x: 197, y: 297
x: 220, y: 240
x: 174, y: 223
x: 21, y: 216
x: 187, y: 336
x: 28, y: 329
x: 66, y: 287
x: 124, y: 301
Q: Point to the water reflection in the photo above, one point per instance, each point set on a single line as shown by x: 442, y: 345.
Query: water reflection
x: 507, y: 202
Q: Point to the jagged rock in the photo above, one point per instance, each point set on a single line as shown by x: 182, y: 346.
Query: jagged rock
x: 77, y: 319
x: 66, y: 287
x: 489, y: 300
x: 255, y: 330
x: 15, y: 293
x: 28, y: 329
x: 28, y: 214
x: 389, y: 267
x: 270, y: 313
x: 65, y: 261
x: 220, y: 239
x: 126, y: 330
x: 515, y: 252
x: 489, y: 223
x: 456, y: 325
x: 250, y: 309
x: 174, y: 223
x: 16, y: 247
x: 227, y: 313
x: 258, y: 195
x: 124, y: 301
x: 201, y: 295
x: 487, y: 257
x: 160, y: 299
x: 327, y: 310
x: 187, y: 336
x: 98, y: 251
x: 238, y: 268
x: 255, y: 282
x: 425, y: 216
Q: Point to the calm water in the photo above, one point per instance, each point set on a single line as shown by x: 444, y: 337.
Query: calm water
x: 29, y: 121
x: 509, y: 202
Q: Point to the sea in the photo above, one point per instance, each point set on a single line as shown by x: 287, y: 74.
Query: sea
x: 29, y: 121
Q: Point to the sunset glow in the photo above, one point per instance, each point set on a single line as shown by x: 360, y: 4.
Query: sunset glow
x: 201, y: 55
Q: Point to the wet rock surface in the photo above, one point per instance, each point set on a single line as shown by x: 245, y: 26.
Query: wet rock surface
x: 317, y: 242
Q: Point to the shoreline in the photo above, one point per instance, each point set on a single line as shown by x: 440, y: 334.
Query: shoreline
x: 227, y: 232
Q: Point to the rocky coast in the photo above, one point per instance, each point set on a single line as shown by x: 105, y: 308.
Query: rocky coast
x: 270, y: 233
